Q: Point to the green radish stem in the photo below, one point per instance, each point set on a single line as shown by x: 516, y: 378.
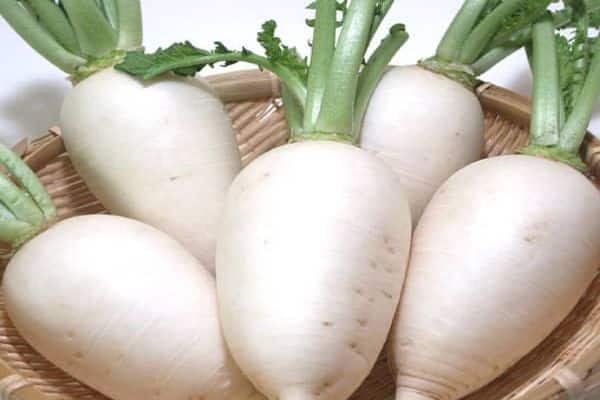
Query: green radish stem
x: 109, y: 7
x: 325, y: 100
x: 485, y: 32
x: 29, y: 181
x: 491, y: 59
x: 323, y: 45
x: 129, y: 24
x: 293, y: 112
x: 53, y: 19
x: 16, y: 232
x: 460, y: 29
x: 381, y: 11
x: 545, y: 119
x: 96, y: 36
x: 77, y: 34
x: 480, y: 36
x: 337, y: 111
x: 566, y: 76
x: 25, y: 209
x: 374, y: 69
x: 6, y: 214
x: 574, y: 131
x: 21, y: 20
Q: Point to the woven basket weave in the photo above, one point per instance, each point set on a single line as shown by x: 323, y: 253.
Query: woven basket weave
x: 565, y: 367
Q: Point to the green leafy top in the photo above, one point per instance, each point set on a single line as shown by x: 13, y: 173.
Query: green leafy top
x: 573, y: 56
x: 325, y: 98
x: 78, y: 36
x: 566, y: 70
x: 279, y: 53
x: 187, y: 60
x: 526, y: 14
x: 484, y: 32
x: 25, y: 207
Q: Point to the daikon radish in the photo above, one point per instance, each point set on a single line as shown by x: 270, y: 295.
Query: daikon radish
x: 425, y: 120
x: 508, y: 245
x: 115, y: 303
x: 314, y: 243
x: 162, y: 152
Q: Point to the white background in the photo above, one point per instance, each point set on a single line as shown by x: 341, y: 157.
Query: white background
x: 31, y: 89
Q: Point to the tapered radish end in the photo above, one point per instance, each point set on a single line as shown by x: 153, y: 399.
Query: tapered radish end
x: 403, y: 393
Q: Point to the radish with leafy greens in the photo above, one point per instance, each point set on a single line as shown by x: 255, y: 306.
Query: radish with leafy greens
x: 115, y: 303
x: 425, y: 120
x: 161, y: 152
x: 508, y: 245
x: 314, y: 243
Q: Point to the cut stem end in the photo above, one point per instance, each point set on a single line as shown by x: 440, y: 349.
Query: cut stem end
x: 460, y: 73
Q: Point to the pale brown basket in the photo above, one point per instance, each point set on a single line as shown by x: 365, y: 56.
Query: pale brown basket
x: 566, y: 366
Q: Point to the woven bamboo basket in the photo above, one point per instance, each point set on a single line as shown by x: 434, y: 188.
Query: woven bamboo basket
x: 565, y: 367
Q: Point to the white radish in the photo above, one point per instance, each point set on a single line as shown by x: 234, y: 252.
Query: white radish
x: 425, y: 121
x: 314, y: 240
x: 506, y: 248
x: 310, y: 264
x: 123, y: 308
x: 425, y: 126
x: 162, y: 152
x: 114, y: 302
x: 502, y: 254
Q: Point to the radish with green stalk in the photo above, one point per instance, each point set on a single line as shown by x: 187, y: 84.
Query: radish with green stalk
x: 425, y: 120
x: 115, y: 303
x: 314, y: 243
x: 162, y: 152
x: 508, y: 245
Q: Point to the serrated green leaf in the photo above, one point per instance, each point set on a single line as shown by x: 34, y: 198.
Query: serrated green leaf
x: 574, y: 53
x: 142, y: 65
x: 220, y: 48
x: 526, y: 15
x: 278, y: 53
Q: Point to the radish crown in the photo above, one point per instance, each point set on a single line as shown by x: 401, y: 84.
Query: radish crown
x: 566, y: 71
x: 484, y: 32
x: 25, y: 206
x: 78, y: 36
x: 326, y: 99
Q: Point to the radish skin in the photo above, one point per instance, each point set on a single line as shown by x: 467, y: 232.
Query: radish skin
x: 426, y: 127
x: 315, y: 235
x: 502, y: 254
x: 125, y: 309
x: 310, y: 265
x: 162, y: 152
